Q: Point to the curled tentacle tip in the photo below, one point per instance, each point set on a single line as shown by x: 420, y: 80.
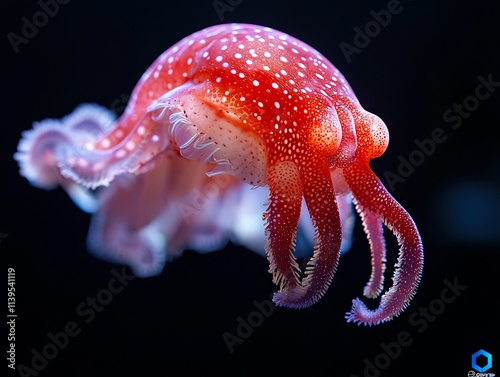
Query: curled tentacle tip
x: 361, y: 315
x: 294, y: 298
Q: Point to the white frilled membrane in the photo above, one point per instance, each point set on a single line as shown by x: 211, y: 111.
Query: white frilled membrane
x: 202, y: 134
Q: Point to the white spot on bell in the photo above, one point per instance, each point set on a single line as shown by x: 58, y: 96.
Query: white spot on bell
x: 105, y: 143
x: 130, y: 145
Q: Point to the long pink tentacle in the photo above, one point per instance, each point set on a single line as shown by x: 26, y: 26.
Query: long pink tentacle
x: 375, y: 234
x: 370, y: 194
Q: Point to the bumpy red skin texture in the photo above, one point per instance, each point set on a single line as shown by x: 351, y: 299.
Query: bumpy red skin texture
x: 286, y: 94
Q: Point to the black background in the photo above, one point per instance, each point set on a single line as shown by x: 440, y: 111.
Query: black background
x: 426, y: 59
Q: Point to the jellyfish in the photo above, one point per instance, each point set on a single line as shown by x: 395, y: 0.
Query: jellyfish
x: 237, y: 132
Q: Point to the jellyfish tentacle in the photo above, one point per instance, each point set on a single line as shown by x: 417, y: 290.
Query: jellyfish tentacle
x: 370, y: 194
x: 374, y: 230
x: 281, y: 222
x: 321, y: 202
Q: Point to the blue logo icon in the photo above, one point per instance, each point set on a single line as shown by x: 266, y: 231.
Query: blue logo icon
x: 489, y: 361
